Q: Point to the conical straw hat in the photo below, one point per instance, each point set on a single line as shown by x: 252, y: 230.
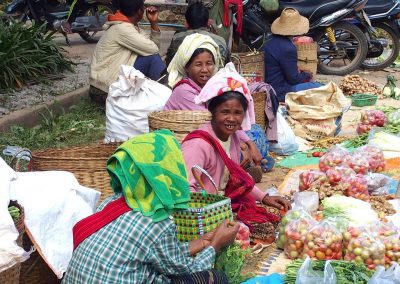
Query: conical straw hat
x: 290, y: 23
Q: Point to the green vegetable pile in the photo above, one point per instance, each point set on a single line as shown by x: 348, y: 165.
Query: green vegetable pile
x: 346, y: 272
x: 390, y: 127
x: 14, y: 212
x: 231, y: 260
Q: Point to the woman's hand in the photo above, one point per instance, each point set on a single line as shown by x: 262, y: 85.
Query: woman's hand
x: 254, y: 153
x: 224, y: 235
x: 277, y: 202
x: 246, y: 155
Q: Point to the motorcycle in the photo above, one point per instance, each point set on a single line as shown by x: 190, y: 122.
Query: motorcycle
x: 89, y: 21
x: 384, y: 44
x: 343, y: 46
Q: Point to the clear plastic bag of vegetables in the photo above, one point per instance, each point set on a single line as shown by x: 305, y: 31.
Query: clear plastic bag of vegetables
x: 323, y: 242
x: 358, y: 163
x: 374, y: 155
x: 394, y: 118
x: 291, y: 215
x: 389, y: 235
x: 295, y: 233
x: 334, y: 157
x: 307, y: 275
x: 308, y: 177
x: 389, y: 276
x: 357, y: 187
x: 366, y: 248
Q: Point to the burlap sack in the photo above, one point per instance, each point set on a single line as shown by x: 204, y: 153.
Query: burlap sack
x: 321, y: 103
x: 313, y: 113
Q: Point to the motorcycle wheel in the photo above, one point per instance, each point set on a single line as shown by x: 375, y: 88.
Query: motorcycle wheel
x: 352, y: 48
x: 94, y: 10
x: 390, y: 51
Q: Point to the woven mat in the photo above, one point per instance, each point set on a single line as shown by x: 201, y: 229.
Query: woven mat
x: 276, y: 263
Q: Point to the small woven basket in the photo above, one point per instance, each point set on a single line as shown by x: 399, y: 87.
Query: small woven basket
x: 259, y: 99
x: 307, y: 57
x: 250, y: 65
x: 179, y: 122
x: 205, y: 213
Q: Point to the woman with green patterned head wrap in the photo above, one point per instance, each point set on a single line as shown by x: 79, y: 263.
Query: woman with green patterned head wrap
x: 132, y: 237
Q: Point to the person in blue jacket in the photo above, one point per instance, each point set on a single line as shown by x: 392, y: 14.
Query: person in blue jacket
x: 281, y: 70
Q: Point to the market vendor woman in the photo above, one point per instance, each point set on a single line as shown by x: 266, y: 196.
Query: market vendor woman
x: 215, y: 147
x: 281, y: 70
x: 131, y: 239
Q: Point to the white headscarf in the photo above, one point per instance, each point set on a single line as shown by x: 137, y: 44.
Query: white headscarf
x: 176, y: 68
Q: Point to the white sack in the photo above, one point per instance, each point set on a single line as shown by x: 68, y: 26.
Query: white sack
x: 10, y: 252
x: 129, y: 102
x: 53, y: 202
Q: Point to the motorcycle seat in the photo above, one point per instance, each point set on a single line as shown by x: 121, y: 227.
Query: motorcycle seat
x: 375, y: 7
x: 314, y: 10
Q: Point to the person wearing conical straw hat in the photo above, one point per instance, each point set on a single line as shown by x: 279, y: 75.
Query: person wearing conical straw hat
x: 281, y: 70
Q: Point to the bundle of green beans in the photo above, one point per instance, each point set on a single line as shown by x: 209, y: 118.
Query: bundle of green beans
x: 346, y: 272
x: 14, y: 212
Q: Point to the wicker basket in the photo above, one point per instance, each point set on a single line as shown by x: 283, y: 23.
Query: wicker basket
x: 19, y: 224
x: 307, y: 56
x: 179, y: 122
x: 205, y: 212
x: 35, y: 270
x: 11, y: 275
x: 259, y: 99
x: 250, y: 65
x: 88, y: 164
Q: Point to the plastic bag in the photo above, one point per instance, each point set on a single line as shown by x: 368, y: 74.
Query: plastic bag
x: 367, y: 248
x: 129, y: 102
x: 358, y: 162
x: 389, y: 235
x: 243, y: 236
x: 369, y: 119
x: 296, y: 233
x: 334, y: 157
x: 387, y: 142
x: 394, y: 118
x: 389, y: 276
x: 323, y: 241
x: 308, y: 200
x: 374, y: 155
x: 379, y: 184
x: 306, y: 274
x: 286, y: 144
x: 307, y: 178
x: 269, y: 5
x: 357, y: 187
x: 289, y: 216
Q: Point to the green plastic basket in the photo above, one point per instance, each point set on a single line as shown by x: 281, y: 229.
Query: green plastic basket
x: 205, y: 213
x: 361, y: 100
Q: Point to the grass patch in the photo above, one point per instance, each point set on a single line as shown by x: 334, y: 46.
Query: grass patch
x: 81, y: 125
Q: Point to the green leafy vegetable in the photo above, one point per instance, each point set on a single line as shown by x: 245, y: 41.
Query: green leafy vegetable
x: 231, y: 260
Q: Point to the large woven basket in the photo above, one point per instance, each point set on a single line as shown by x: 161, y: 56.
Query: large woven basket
x: 35, y: 270
x: 19, y: 224
x: 307, y: 57
x: 179, y: 122
x: 88, y: 164
x: 11, y: 275
x: 250, y: 65
x: 259, y: 99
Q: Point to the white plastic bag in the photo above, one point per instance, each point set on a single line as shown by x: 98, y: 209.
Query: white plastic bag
x: 306, y: 275
x: 308, y: 200
x: 389, y: 276
x: 287, y: 144
x: 129, y: 102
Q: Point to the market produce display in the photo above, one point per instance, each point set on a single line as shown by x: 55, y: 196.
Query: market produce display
x: 296, y: 233
x: 374, y: 155
x: 357, y: 187
x: 391, y: 90
x: 307, y: 178
x: 369, y: 119
x: 381, y: 206
x: 352, y: 84
x: 334, y: 157
x: 391, y: 240
x: 346, y: 272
